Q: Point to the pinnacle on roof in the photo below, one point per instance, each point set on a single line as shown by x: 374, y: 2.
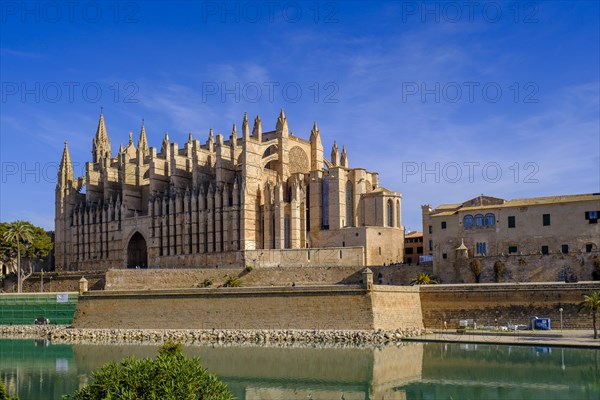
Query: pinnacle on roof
x: 143, y: 141
x: 282, y: 125
x: 65, y: 171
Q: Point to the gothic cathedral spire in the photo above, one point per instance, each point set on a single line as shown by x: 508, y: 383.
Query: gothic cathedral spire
x: 344, y: 159
x: 143, y: 142
x: 282, y: 125
x: 66, y: 175
x: 316, y: 148
x: 335, y: 155
x: 101, y: 143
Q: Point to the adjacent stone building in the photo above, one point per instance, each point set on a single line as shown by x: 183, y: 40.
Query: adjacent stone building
x: 262, y: 199
x: 536, y: 237
x: 413, y: 247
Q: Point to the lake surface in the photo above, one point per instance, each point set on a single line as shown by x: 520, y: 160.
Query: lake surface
x: 41, y: 370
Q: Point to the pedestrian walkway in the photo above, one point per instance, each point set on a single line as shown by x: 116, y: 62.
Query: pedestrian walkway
x: 565, y: 338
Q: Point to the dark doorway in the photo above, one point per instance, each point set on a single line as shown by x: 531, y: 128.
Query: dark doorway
x: 137, y: 254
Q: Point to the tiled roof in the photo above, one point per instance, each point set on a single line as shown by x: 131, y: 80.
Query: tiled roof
x: 525, y: 202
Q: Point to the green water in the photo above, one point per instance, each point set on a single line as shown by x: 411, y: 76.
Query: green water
x: 40, y: 370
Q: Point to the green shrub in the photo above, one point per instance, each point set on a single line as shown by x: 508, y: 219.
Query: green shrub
x: 498, y: 270
x: 4, y: 395
x: 475, y: 266
x: 206, y: 283
x: 249, y: 268
x: 231, y: 281
x: 423, y: 279
x: 170, y: 376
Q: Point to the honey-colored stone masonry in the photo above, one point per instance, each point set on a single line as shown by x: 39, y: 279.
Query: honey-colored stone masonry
x: 500, y: 304
x: 264, y: 198
x: 325, y: 307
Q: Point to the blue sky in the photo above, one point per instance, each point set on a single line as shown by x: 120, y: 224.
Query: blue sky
x: 445, y: 100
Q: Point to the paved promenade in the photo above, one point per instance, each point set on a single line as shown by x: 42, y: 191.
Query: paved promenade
x: 565, y: 338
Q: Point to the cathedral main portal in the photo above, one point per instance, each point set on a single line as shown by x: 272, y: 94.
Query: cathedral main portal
x: 137, y: 253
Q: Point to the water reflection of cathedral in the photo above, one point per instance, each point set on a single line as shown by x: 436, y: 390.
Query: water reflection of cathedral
x: 407, y: 371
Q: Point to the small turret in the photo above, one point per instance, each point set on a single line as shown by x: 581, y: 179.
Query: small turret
x: 101, y: 143
x: 344, y: 159
x: 245, y: 128
x: 211, y: 140
x: 66, y: 176
x: 234, y: 136
x: 282, y: 126
x: 165, y: 144
x: 316, y: 148
x: 257, y: 129
x: 335, y: 155
x: 143, y: 142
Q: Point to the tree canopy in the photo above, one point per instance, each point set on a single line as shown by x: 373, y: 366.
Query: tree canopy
x: 39, y: 245
x: 171, y: 375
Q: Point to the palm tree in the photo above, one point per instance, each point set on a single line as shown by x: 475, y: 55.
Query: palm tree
x: 19, y: 232
x: 591, y: 303
x: 423, y: 279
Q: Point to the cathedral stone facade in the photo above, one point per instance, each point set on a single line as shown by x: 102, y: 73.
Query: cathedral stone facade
x: 263, y: 199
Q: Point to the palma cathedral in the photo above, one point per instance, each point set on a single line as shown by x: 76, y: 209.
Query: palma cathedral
x: 254, y: 198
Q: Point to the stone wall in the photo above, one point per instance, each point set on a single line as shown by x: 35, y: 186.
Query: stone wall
x: 323, y: 257
x: 513, y: 303
x: 526, y: 268
x: 324, y: 307
x: 145, y: 279
x: 397, y: 305
x: 55, y: 282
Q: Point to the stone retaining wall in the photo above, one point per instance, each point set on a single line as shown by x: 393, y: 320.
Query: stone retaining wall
x: 55, y: 282
x: 324, y: 307
x: 491, y: 304
x: 148, y: 279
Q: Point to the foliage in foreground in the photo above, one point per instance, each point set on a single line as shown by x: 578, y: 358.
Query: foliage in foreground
x: 4, y: 395
x: 171, y: 376
x: 591, y: 304
x: 231, y: 281
x: 475, y: 266
x: 423, y: 279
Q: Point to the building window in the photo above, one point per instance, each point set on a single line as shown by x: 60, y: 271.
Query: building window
x: 349, y: 204
x: 430, y: 244
x: 443, y: 224
x: 287, y: 233
x: 479, y: 220
x: 390, y: 213
x: 512, y: 249
x: 325, y: 203
x: 430, y: 229
x: 409, y: 250
x: 546, y: 219
x: 592, y: 216
x: 565, y: 248
x: 468, y: 221
x: 398, y: 215
x: 420, y: 250
x: 545, y: 250
x: 480, y: 248
x: 511, y: 222
x: 589, y: 247
x: 444, y: 256
x: 490, y: 219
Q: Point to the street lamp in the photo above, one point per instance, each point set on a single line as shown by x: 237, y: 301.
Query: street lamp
x: 561, y: 324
